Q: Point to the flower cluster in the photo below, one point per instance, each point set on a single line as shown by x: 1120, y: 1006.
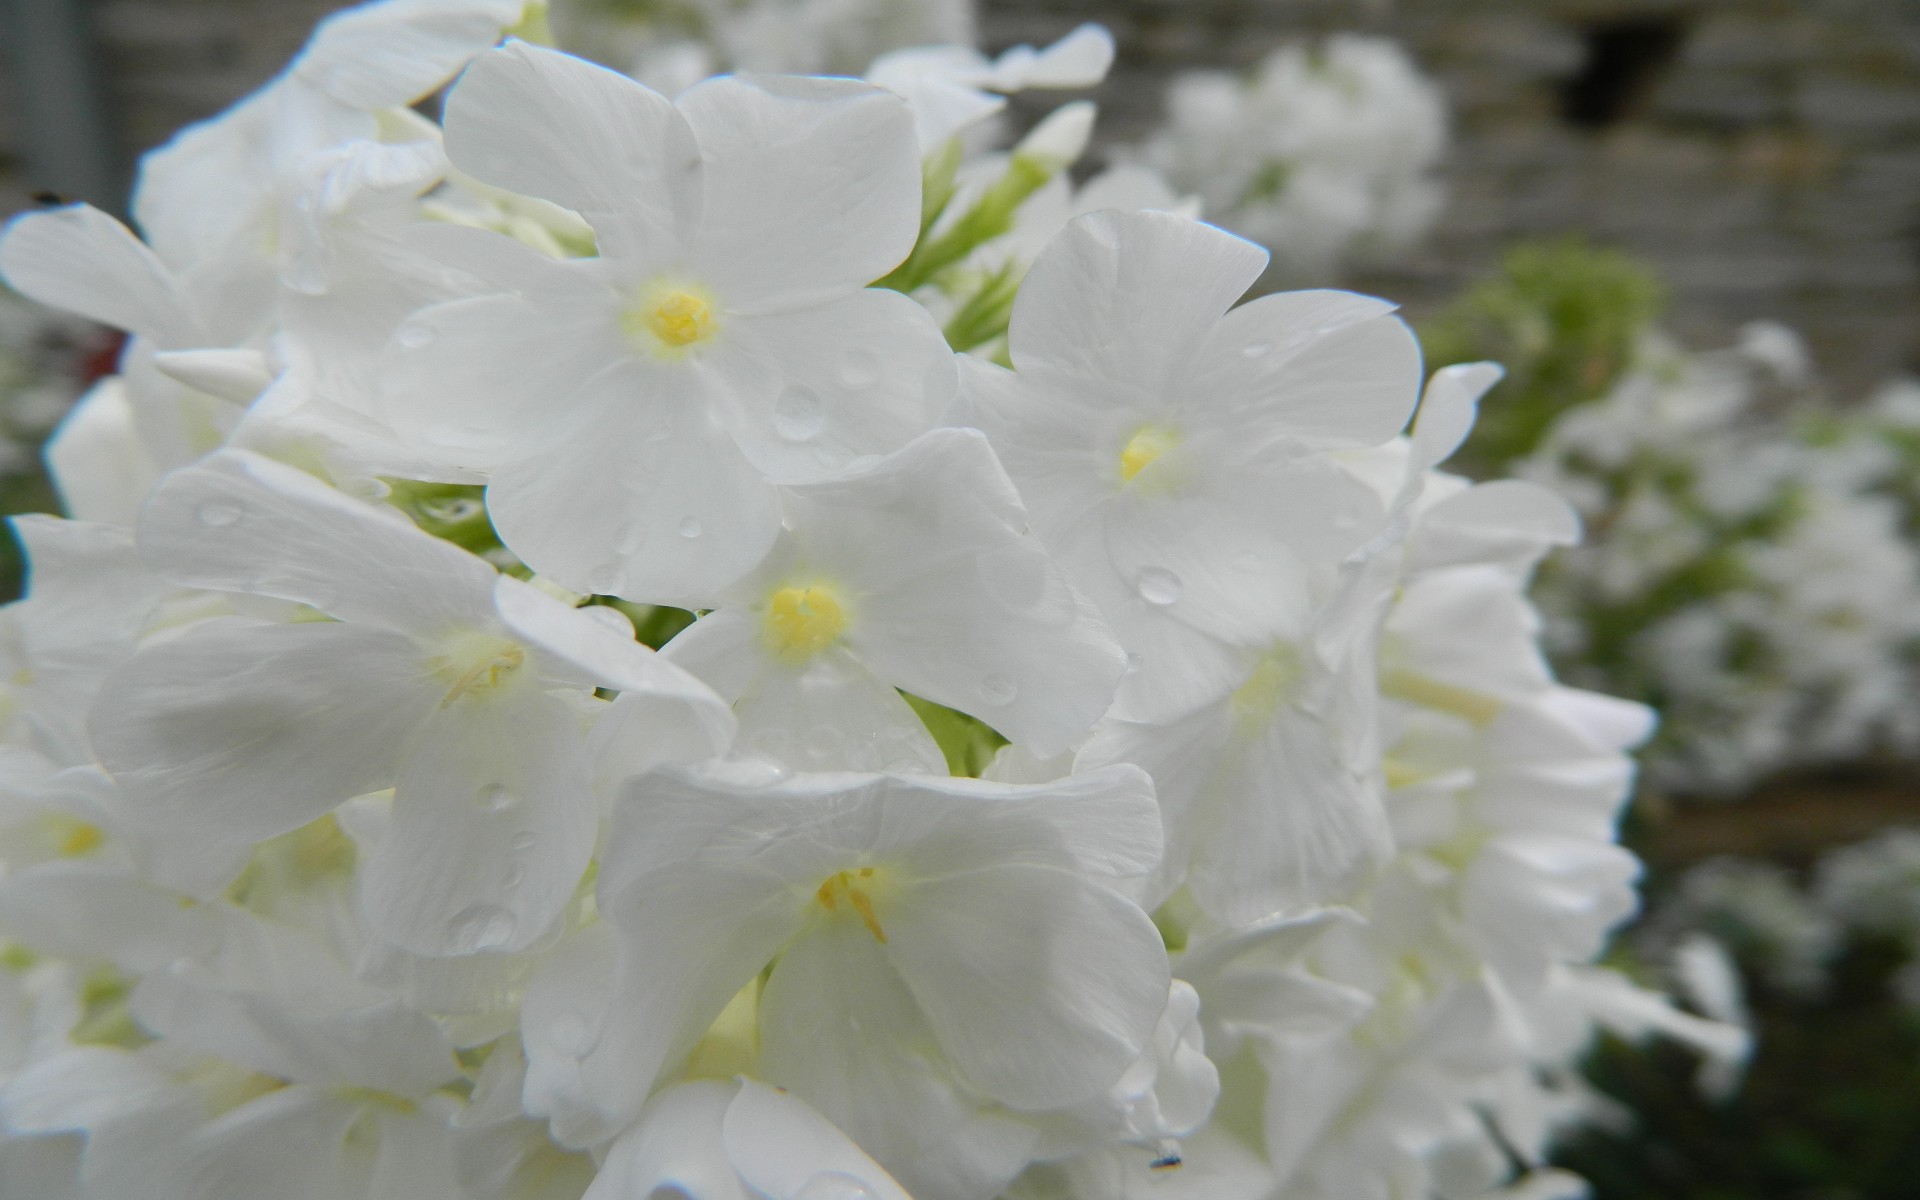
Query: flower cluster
x: 1327, y: 152
x: 1793, y: 934
x: 1752, y: 574
x: 499, y: 721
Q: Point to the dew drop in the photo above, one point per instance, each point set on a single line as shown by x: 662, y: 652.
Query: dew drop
x: 859, y: 368
x: 524, y: 841
x: 516, y: 875
x: 494, y: 797
x: 571, y: 1034
x: 604, y: 581
x: 1158, y: 585
x: 798, y: 414
x: 218, y: 514
x: 609, y: 616
x: 998, y: 690
x: 689, y: 528
x: 1256, y: 349
x: 452, y: 511
x: 1133, y: 662
x: 415, y: 334
x: 480, y: 928
x: 834, y: 1185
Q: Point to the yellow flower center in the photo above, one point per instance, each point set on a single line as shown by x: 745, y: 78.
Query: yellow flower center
x: 1271, y: 684
x: 72, y: 837
x: 666, y: 319
x: 473, y: 661
x: 1144, y: 448
x: 803, y: 621
x: 855, y: 889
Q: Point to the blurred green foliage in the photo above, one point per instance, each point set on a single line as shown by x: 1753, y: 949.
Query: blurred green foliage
x: 1565, y: 317
x: 1827, y: 1110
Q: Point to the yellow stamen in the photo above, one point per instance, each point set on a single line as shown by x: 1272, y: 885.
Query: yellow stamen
x: 82, y: 838
x: 803, y: 621
x: 667, y: 318
x: 472, y: 661
x: 1271, y: 684
x: 855, y: 887
x: 1145, y: 448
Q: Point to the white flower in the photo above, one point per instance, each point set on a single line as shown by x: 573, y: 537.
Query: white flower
x: 1169, y: 449
x: 910, y: 573
x: 629, y: 408
x: 455, y: 686
x: 925, y: 935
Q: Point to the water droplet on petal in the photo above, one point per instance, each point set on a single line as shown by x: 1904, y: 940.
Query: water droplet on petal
x: 524, y: 841
x: 480, y: 928
x: 690, y: 528
x: 1133, y: 662
x: 604, y: 581
x: 860, y: 368
x: 1158, y: 585
x: 1257, y: 349
x: 572, y: 1035
x: 494, y: 797
x: 218, y: 513
x: 834, y: 1185
x: 452, y: 511
x: 516, y: 875
x: 772, y: 743
x: 798, y: 414
x: 415, y: 334
x: 609, y: 616
x: 998, y: 690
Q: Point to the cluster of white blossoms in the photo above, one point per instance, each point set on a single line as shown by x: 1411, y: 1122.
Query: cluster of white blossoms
x: 1327, y: 153
x: 1752, y: 569
x: 669, y: 44
x: 357, y: 848
x: 1790, y: 933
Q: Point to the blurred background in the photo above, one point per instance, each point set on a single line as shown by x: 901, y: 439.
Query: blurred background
x: 1691, y: 231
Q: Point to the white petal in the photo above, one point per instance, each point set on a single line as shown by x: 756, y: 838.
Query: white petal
x: 809, y: 390
x: 492, y: 828
x: 811, y: 188
x: 384, y: 1046
x: 460, y: 380
x: 1354, y: 382
x: 558, y: 128
x: 691, y: 936
x: 658, y: 506
x: 1448, y: 407
x: 247, y: 730
x: 379, y: 56
x: 954, y: 604
x: 1128, y: 297
x: 96, y: 458
x: 237, y: 521
x: 834, y: 715
x: 80, y: 259
x: 674, y: 1149
x: 1041, y: 987
x: 80, y: 1088
x: 583, y: 651
x: 781, y: 1147
x: 839, y: 1027
x: 1287, y: 824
